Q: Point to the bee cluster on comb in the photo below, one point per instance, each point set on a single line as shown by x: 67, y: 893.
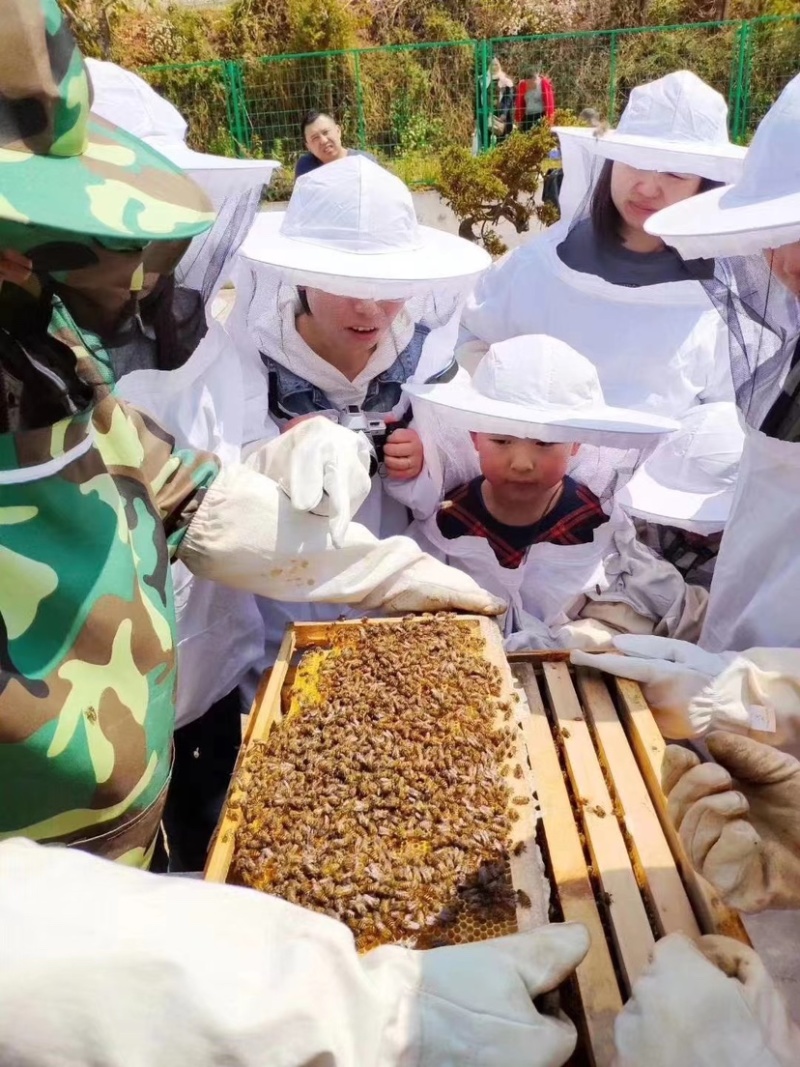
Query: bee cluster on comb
x: 382, y: 799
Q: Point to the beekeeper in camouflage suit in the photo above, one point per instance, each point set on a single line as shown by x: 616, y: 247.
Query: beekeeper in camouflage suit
x: 95, y: 501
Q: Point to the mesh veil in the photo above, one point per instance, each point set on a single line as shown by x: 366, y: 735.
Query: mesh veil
x: 205, y: 267
x: 763, y: 325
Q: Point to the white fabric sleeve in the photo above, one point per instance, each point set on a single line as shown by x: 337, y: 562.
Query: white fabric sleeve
x: 420, y: 495
x: 652, y: 588
x: 246, y: 534
x: 110, y: 966
x: 758, y: 694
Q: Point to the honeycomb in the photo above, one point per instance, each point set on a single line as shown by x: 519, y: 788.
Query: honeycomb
x: 382, y: 798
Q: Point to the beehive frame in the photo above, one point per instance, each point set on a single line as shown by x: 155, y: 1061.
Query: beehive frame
x: 267, y: 712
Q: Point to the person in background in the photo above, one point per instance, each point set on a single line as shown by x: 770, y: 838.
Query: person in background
x: 322, y: 137
x: 535, y: 100
x: 502, y: 89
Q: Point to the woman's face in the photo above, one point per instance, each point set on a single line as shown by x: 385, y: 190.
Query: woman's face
x: 324, y: 139
x: 345, y: 323
x: 638, y: 194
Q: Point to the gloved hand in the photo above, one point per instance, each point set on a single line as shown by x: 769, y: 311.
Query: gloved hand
x: 474, y: 1003
x: 738, y: 819
x: 322, y: 467
x: 218, y: 974
x: 707, y: 1004
x: 673, y: 674
x: 429, y: 585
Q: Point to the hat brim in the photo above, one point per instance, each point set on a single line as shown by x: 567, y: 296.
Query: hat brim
x: 722, y: 223
x: 440, y: 257
x: 119, y: 189
x: 462, y: 406
x: 719, y: 163
x: 200, y: 162
x: 648, y: 498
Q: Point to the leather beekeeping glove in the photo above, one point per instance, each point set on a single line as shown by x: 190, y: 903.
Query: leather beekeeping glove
x: 707, y: 1004
x: 322, y: 467
x: 739, y: 819
x: 153, y: 971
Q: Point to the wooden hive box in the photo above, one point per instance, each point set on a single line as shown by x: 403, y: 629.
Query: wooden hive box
x: 613, y: 857
x: 591, y: 754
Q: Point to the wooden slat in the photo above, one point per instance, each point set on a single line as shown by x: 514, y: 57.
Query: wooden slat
x: 652, y: 857
x: 596, y: 977
x: 631, y: 927
x: 648, y: 746
x: 265, y: 711
x: 537, y: 656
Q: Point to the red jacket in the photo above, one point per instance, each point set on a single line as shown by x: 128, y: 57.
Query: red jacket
x: 548, y: 99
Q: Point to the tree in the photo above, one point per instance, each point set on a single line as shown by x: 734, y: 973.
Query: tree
x: 500, y: 184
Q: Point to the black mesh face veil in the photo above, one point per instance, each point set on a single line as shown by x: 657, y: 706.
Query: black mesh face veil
x: 762, y: 319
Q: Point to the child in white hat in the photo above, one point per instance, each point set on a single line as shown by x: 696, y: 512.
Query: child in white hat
x: 527, y: 530
x: 683, y: 492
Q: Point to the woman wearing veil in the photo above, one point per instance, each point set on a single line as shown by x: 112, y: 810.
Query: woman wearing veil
x: 597, y: 280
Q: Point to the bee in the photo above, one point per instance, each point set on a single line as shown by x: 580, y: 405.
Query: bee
x: 523, y: 899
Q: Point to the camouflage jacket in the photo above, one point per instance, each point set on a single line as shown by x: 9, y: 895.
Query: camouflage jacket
x: 92, y: 510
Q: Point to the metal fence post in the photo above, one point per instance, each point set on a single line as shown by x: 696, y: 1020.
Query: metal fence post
x: 482, y: 106
x: 236, y: 105
x: 738, y: 101
x: 612, y: 78
x: 362, y: 124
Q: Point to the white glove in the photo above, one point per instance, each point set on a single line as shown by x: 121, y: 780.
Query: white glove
x: 474, y: 1002
x: 738, y: 819
x: 322, y: 467
x: 107, y: 965
x: 706, y: 1005
x: 673, y: 675
x: 429, y: 585
x: 247, y: 535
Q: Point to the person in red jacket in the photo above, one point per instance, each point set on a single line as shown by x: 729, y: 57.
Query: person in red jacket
x: 535, y: 100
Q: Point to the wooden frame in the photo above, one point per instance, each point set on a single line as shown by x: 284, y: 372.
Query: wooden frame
x: 591, y: 754
x: 615, y: 861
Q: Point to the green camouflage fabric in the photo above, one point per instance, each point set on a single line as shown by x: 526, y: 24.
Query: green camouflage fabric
x: 68, y: 176
x: 93, y: 508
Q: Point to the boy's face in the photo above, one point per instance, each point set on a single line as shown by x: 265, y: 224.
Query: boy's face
x: 518, y: 467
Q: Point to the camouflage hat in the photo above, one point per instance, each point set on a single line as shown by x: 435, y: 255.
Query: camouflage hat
x: 64, y: 172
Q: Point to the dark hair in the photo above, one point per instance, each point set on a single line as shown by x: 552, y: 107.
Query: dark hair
x: 606, y: 220
x: 310, y: 118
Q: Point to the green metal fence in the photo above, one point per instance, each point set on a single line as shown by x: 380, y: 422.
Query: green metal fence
x: 407, y: 102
